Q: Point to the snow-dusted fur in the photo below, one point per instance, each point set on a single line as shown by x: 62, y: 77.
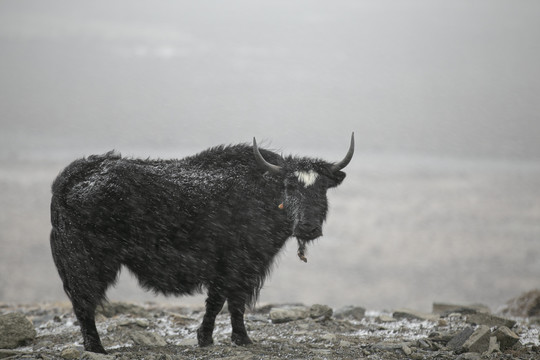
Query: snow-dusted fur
x: 211, y: 221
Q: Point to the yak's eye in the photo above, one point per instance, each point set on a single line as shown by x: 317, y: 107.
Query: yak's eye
x: 291, y: 186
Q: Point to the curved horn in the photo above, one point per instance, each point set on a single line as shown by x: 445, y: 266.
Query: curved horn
x: 263, y: 163
x: 347, y: 159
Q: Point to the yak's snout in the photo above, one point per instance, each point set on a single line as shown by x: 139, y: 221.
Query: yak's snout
x: 308, y: 231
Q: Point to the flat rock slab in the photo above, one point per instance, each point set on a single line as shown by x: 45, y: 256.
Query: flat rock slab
x: 147, y: 338
x: 320, y: 311
x: 283, y: 315
x: 15, y: 330
x: 494, y: 346
x: 355, y: 312
x: 458, y: 340
x: 445, y: 308
x: 414, y: 315
x: 506, y: 337
x: 86, y: 355
x: 117, y: 308
x: 479, y: 340
x: 490, y: 320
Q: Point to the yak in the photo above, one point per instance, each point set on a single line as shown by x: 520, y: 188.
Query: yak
x: 213, y: 221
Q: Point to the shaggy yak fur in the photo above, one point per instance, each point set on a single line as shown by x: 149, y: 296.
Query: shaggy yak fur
x: 212, y: 221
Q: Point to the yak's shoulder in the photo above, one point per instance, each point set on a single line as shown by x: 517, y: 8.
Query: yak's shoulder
x: 230, y: 156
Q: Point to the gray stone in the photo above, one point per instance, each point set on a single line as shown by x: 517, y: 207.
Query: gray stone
x: 179, y: 319
x: 86, y: 355
x: 188, y: 342
x: 354, y: 312
x: 15, y: 330
x: 70, y: 353
x: 414, y: 315
x: 469, y: 356
x: 489, y: 320
x: 479, y: 340
x: 458, y: 340
x: 329, y: 337
x: 424, y: 344
x: 257, y: 318
x: 506, y: 337
x: 9, y: 353
x: 239, y: 357
x: 387, y: 346
x: 445, y: 308
x: 147, y: 338
x: 493, y: 346
x: 283, y: 315
x: 116, y: 308
x: 406, y: 349
x: 317, y: 311
x: 385, y: 319
x: 144, y: 323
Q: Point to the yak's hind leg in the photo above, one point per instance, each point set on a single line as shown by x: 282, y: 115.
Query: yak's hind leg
x: 237, y: 307
x: 214, y: 304
x: 86, y: 278
x: 85, y: 314
x: 86, y: 294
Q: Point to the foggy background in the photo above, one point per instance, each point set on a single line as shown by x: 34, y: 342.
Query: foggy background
x: 442, y: 199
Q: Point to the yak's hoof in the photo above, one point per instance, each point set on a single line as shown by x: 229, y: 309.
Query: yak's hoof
x: 241, y: 339
x: 204, y: 340
x: 95, y: 349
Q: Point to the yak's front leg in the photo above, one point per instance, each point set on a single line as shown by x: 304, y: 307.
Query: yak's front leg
x: 237, y: 307
x: 214, y: 304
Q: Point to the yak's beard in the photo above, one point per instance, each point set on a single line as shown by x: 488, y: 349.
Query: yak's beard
x: 302, y: 249
x: 302, y: 242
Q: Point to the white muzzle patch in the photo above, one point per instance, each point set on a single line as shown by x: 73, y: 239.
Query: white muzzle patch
x: 307, y: 178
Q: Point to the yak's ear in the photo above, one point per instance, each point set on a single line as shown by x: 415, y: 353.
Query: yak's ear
x: 337, y: 178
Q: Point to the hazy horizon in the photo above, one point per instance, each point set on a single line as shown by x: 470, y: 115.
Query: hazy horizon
x: 442, y: 197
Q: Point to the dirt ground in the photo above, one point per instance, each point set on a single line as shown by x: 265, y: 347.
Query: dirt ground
x: 160, y: 331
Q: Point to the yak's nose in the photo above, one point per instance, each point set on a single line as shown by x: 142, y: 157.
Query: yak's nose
x: 308, y: 231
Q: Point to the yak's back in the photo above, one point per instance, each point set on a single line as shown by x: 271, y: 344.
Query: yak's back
x: 99, y: 180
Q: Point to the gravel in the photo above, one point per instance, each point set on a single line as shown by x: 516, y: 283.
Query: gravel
x: 158, y: 331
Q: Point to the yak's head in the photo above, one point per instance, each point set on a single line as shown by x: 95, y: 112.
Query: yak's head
x: 305, y: 183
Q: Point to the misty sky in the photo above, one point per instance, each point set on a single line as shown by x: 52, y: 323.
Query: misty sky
x: 450, y: 78
x: 424, y: 84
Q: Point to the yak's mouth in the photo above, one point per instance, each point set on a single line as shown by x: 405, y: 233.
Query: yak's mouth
x: 308, y: 235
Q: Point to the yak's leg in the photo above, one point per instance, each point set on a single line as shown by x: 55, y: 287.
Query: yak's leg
x: 237, y: 307
x: 86, y: 317
x: 214, y: 304
x: 86, y: 292
x: 85, y: 282
x: 85, y: 297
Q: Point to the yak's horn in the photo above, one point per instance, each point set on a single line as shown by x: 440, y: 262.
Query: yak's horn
x: 262, y: 162
x: 347, y: 159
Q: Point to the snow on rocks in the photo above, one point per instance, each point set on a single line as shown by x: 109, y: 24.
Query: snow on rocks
x: 289, y: 331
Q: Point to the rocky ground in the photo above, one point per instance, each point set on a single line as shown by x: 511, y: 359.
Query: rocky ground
x: 155, y: 331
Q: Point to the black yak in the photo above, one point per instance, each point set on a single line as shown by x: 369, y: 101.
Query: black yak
x: 212, y: 221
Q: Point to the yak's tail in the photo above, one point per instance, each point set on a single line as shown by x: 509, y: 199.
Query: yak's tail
x: 67, y: 246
